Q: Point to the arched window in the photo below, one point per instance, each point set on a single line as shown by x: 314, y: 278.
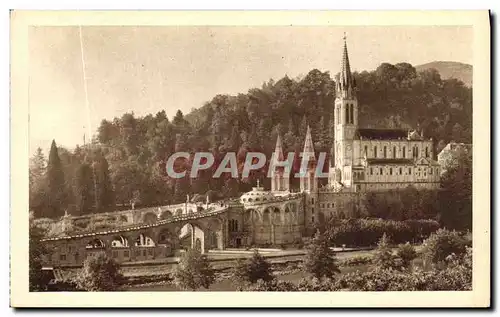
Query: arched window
x: 375, y: 151
x: 426, y: 151
x: 347, y: 113
x: 415, y: 151
x: 385, y: 151
x: 394, y: 152
x: 381, y: 171
x: 351, y: 112
x: 404, y: 151
x: 366, y: 151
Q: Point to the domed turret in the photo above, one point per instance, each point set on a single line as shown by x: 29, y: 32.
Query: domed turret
x: 257, y: 195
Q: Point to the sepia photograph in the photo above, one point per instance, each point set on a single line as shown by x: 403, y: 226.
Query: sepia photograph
x: 251, y: 158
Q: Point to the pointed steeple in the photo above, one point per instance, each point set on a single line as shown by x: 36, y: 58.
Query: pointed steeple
x: 308, y: 181
x: 345, y: 80
x: 278, y: 150
x: 280, y: 181
x: 309, y: 146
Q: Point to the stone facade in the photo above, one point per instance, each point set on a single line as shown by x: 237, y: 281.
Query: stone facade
x: 375, y: 159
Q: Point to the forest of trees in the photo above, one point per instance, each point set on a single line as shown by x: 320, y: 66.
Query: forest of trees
x: 125, y: 162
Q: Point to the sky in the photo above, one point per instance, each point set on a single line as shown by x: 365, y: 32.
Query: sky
x: 149, y: 69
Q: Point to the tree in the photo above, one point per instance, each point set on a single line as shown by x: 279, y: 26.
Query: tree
x: 85, y: 189
x: 37, y: 183
x: 253, y: 269
x: 442, y: 244
x: 99, y: 273
x: 320, y: 260
x: 383, y: 257
x: 105, y: 193
x: 456, y: 194
x: 36, y: 252
x: 37, y: 165
x: 56, y: 185
x: 194, y: 271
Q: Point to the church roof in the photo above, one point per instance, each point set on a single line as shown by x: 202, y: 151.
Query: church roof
x: 381, y: 134
x: 387, y: 161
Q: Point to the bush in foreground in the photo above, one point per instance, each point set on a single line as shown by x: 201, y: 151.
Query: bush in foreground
x: 99, y: 273
x: 320, y: 260
x: 253, y: 269
x: 384, y: 259
x: 193, y: 271
x: 367, y: 232
x: 455, y: 276
x: 406, y: 253
x: 442, y: 244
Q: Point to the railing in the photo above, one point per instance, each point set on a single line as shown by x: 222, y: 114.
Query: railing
x: 191, y: 216
x: 276, y: 199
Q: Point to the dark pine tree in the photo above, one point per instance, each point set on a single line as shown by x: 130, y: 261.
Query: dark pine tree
x: 85, y: 189
x: 105, y: 193
x: 182, y: 184
x: 56, y: 185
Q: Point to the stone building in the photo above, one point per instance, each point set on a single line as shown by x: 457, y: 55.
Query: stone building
x: 375, y: 159
x: 365, y: 160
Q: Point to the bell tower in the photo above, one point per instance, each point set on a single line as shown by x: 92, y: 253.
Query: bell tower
x: 346, y: 115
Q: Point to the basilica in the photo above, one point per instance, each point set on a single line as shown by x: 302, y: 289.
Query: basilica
x: 365, y: 160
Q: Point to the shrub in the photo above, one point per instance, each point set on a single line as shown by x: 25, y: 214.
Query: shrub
x: 273, y: 285
x: 99, y: 273
x: 367, y: 232
x: 442, y: 244
x: 356, y: 260
x: 320, y: 259
x: 194, y: 271
x: 407, y: 253
x: 253, y: 269
x: 317, y: 285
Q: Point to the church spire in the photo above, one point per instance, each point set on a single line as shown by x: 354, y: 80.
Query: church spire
x: 345, y: 80
x: 309, y: 146
x: 278, y: 150
x: 280, y: 180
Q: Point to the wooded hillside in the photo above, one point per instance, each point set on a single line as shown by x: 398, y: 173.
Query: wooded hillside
x: 125, y: 163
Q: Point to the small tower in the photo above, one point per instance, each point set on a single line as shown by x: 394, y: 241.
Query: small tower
x: 308, y: 181
x: 279, y: 181
x: 309, y: 184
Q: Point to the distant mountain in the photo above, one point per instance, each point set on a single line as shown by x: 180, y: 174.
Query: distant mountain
x: 448, y: 70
